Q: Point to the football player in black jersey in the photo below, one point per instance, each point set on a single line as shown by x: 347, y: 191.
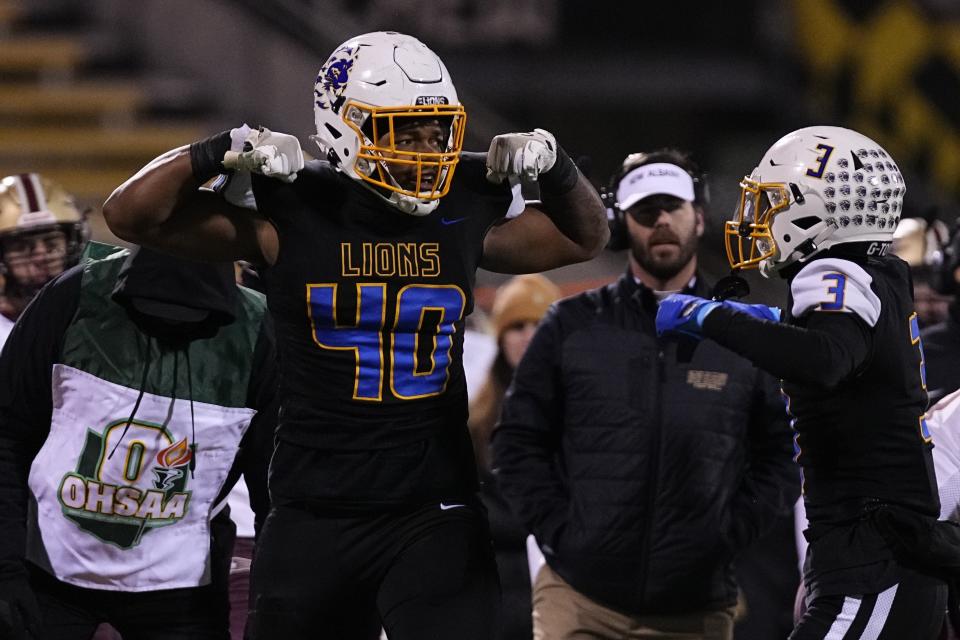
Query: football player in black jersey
x: 820, y: 210
x: 369, y: 259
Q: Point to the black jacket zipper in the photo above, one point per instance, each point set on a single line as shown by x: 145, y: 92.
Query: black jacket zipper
x: 653, y: 473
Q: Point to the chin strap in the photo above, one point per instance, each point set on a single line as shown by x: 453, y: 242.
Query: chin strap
x: 413, y: 206
x: 409, y: 205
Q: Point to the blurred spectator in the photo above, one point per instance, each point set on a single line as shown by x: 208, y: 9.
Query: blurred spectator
x: 641, y: 465
x: 941, y: 342
x: 518, y: 307
x: 42, y: 232
x: 479, y: 351
x: 135, y: 390
x: 920, y: 244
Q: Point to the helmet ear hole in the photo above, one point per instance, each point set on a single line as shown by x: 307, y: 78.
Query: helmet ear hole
x: 786, y: 237
x: 334, y: 132
x: 806, y: 222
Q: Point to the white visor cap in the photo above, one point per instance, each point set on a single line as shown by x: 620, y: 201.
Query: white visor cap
x: 654, y: 179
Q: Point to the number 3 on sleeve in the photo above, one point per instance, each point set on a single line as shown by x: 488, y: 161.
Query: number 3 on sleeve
x: 838, y: 291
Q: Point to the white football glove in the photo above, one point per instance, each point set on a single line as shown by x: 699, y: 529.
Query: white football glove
x: 522, y: 156
x: 275, y: 155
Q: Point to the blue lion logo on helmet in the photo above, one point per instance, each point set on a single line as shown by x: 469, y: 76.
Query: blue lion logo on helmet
x: 338, y: 73
x: 334, y: 75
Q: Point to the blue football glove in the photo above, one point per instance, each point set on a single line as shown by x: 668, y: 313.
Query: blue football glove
x: 681, y: 313
x: 759, y: 311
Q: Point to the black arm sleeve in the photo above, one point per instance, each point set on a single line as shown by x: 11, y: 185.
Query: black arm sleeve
x: 526, y: 442
x: 771, y: 483
x: 823, y: 350
x: 26, y: 365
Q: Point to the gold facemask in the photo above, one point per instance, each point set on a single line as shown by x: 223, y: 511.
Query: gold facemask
x: 748, y: 237
x: 374, y: 161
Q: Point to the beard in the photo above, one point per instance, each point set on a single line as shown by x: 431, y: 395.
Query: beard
x: 664, y: 267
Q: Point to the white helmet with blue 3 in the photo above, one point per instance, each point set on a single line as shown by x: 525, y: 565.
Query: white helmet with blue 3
x: 368, y: 88
x: 815, y: 188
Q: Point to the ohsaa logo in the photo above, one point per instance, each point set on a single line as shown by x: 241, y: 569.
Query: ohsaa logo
x: 120, y: 497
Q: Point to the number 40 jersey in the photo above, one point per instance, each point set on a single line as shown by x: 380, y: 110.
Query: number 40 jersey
x: 369, y: 305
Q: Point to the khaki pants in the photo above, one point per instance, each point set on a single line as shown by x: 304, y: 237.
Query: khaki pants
x: 560, y: 613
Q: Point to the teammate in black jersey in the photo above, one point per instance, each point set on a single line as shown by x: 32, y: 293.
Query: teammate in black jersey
x: 370, y: 260
x: 820, y: 210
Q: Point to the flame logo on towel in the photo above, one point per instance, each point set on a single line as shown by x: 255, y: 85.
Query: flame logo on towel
x: 176, y: 455
x: 172, y: 460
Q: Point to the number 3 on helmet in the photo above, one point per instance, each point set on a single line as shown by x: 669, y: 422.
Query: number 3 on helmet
x: 368, y: 88
x: 814, y: 188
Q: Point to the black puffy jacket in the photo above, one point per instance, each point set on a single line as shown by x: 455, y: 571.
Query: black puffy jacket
x: 641, y: 464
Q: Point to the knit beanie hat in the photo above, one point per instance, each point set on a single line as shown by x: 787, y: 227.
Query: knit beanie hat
x: 523, y: 298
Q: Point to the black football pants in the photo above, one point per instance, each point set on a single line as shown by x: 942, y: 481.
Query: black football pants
x: 424, y: 574
x: 74, y: 613
x: 912, y: 609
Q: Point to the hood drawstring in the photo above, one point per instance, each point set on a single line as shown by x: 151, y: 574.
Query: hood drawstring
x: 136, y: 405
x: 173, y: 393
x: 193, y: 426
x: 143, y: 386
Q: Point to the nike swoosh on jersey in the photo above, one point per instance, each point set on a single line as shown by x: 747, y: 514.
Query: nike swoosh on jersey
x: 452, y: 221
x: 446, y: 507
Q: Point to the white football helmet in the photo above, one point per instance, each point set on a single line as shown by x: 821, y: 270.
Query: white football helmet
x: 815, y: 188
x: 366, y: 89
